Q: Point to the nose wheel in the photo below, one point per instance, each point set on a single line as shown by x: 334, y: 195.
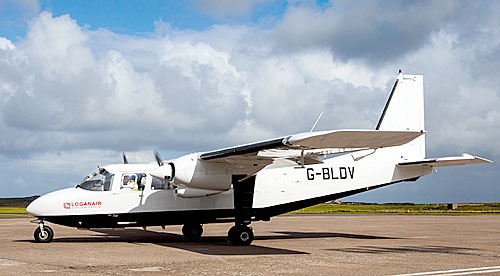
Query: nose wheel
x: 43, y: 233
x: 240, y: 235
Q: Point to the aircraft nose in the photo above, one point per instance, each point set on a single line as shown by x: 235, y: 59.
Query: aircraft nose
x: 35, y: 208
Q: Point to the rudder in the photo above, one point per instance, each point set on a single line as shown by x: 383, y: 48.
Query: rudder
x: 404, y: 110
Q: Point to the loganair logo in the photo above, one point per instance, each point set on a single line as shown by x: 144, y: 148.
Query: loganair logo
x: 82, y: 204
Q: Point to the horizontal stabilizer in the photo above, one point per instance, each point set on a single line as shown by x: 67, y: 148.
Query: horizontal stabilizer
x: 447, y: 161
x: 352, y: 139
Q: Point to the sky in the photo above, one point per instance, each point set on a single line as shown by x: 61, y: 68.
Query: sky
x: 83, y: 81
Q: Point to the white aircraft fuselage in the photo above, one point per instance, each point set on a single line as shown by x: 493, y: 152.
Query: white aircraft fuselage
x: 277, y: 191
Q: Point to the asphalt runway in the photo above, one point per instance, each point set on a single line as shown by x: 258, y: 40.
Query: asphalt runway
x: 287, y: 245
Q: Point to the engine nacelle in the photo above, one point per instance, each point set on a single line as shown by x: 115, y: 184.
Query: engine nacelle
x: 194, y: 193
x: 189, y: 171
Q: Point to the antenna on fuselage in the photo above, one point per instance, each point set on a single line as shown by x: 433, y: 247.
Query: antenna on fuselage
x: 317, y: 120
x: 302, y: 158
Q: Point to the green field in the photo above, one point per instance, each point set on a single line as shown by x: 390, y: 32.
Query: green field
x: 403, y: 209
x: 12, y: 210
x: 492, y: 208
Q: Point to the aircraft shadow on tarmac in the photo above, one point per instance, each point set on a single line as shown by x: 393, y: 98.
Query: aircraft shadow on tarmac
x: 309, y: 235
x: 209, y: 245
x: 409, y: 249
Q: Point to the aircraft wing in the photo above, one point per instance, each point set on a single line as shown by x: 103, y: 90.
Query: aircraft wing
x: 304, y: 148
x: 447, y: 161
x: 333, y: 139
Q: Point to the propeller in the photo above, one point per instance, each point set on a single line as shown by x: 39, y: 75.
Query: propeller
x: 158, y: 159
x: 125, y: 161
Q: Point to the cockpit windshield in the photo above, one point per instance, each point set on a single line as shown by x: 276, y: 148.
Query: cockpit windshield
x: 98, y: 180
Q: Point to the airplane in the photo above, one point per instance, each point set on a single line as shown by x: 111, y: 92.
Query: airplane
x: 255, y: 181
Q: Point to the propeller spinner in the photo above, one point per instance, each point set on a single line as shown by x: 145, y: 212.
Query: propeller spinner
x: 163, y: 172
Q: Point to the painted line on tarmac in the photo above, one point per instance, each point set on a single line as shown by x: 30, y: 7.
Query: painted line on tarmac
x: 456, y: 272
x: 468, y: 273
x: 147, y: 269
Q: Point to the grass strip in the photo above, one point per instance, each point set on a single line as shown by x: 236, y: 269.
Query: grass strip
x: 403, y: 209
x: 12, y: 210
x: 463, y: 209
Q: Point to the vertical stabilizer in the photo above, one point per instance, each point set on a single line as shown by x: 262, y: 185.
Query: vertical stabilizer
x: 404, y: 110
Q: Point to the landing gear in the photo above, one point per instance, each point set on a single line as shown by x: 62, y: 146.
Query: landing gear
x: 43, y: 233
x: 192, y: 230
x: 240, y: 235
x: 243, y: 191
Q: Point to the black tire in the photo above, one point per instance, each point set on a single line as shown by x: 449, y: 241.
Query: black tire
x: 46, y: 236
x: 192, y: 230
x: 240, y: 235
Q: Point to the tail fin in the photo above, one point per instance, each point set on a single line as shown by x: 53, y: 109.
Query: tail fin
x: 404, y: 110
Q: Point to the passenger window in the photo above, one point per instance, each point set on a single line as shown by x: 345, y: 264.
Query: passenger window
x: 157, y: 184
x: 129, y: 181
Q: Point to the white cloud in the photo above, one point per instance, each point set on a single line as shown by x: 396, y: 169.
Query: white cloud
x: 6, y: 44
x: 70, y: 90
x: 189, y: 94
x: 97, y: 89
x: 461, y: 108
x: 372, y: 31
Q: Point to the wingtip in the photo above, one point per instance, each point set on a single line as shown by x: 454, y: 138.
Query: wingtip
x: 482, y: 160
x: 485, y: 160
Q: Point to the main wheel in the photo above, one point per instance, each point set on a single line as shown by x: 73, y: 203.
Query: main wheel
x: 192, y: 230
x: 44, y: 236
x: 240, y: 235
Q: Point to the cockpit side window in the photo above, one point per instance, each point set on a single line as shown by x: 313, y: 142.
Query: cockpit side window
x: 99, y: 180
x: 108, y: 180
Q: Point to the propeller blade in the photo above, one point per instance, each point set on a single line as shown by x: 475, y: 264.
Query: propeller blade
x: 125, y: 161
x: 158, y: 159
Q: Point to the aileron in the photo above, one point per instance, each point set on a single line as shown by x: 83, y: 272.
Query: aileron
x: 353, y: 139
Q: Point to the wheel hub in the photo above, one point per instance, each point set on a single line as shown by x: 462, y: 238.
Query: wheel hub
x: 244, y: 236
